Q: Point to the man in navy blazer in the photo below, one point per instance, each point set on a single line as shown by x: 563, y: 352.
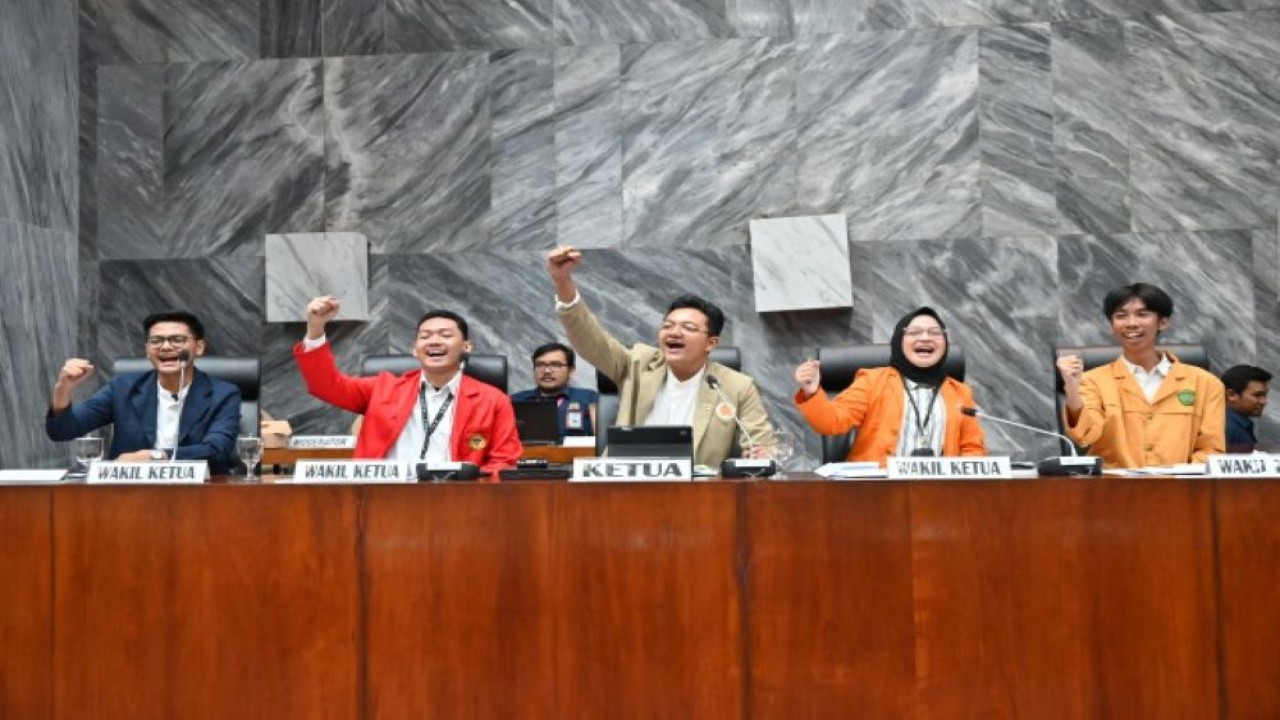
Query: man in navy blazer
x: 144, y: 408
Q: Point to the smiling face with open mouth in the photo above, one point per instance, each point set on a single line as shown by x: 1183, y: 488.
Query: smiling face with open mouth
x: 924, y: 342
x: 685, y: 341
x: 439, y: 347
x: 1137, y: 327
x: 165, y: 340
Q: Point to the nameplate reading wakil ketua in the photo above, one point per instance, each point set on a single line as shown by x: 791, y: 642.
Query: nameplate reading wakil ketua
x: 604, y: 469
x: 949, y: 468
x: 351, y: 471
x: 1244, y: 466
x: 323, y: 442
x: 173, y: 472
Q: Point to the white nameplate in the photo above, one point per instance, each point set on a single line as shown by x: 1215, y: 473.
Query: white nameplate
x: 335, y: 442
x: 170, y: 472
x: 351, y: 471
x: 592, y: 469
x: 949, y: 468
x: 1244, y: 466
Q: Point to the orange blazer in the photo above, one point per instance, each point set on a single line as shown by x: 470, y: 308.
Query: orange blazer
x: 874, y: 404
x: 1185, y: 423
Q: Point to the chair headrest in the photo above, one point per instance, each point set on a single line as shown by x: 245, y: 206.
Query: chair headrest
x: 243, y: 372
x: 1099, y: 355
x: 727, y: 355
x: 487, y: 368
x: 841, y: 364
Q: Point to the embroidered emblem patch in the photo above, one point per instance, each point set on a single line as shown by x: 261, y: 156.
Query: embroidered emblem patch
x: 477, y: 442
x: 1187, y: 397
x: 725, y: 411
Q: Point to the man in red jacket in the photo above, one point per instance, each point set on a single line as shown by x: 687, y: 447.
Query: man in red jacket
x: 433, y: 415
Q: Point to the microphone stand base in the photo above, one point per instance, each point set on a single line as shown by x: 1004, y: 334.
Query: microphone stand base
x: 1085, y: 465
x: 747, y: 468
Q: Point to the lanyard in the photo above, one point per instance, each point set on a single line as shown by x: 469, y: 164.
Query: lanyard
x: 431, y: 426
x: 922, y: 440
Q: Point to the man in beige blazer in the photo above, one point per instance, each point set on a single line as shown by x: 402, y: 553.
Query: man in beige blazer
x: 672, y: 383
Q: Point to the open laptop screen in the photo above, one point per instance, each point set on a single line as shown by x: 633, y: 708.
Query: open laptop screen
x: 537, y: 421
x: 652, y: 441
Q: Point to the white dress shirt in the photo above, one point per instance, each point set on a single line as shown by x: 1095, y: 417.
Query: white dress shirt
x: 1150, y: 381
x: 676, y: 400
x: 168, y: 410
x: 909, y: 437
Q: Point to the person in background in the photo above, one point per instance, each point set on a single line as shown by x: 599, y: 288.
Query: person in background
x: 553, y: 365
x: 1246, y: 388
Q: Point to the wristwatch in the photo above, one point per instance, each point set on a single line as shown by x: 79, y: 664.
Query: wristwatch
x: 158, y: 454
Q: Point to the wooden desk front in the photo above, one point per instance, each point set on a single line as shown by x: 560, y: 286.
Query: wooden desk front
x: 1050, y: 599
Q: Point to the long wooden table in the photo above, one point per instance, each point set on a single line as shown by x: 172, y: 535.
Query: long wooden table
x: 1068, y: 598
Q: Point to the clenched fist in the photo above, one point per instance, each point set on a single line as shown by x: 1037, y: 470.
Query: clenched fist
x: 809, y: 377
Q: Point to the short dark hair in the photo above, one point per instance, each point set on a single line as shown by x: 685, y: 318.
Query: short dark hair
x: 1237, y: 378
x: 1155, y: 299
x: 715, y: 316
x: 447, y: 315
x: 177, y: 316
x: 553, y: 347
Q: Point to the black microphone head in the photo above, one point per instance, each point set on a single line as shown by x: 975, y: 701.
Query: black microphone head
x: 184, y: 355
x: 970, y: 411
x: 713, y: 381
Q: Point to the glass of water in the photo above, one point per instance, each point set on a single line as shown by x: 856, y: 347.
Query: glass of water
x: 784, y: 447
x: 249, y: 448
x: 87, y: 449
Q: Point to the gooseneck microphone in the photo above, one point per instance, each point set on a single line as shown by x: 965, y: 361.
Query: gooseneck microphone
x: 1075, y: 464
x: 740, y: 467
x: 184, y: 357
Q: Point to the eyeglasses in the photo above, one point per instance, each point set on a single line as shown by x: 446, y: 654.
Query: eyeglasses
x: 933, y: 332
x: 554, y: 365
x: 175, y: 340
x: 685, y: 326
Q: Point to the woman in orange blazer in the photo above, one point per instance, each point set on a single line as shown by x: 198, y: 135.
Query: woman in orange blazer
x: 908, y: 408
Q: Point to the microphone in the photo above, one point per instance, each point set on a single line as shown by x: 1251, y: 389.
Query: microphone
x: 741, y: 467
x: 184, y: 357
x: 1075, y: 464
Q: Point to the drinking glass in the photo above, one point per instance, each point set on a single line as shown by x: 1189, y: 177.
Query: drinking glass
x: 87, y: 449
x: 784, y: 446
x: 249, y: 448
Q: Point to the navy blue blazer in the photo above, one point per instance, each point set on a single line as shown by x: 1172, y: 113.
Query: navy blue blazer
x: 206, y: 431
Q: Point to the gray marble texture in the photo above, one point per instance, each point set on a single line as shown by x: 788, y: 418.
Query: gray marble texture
x: 118, y: 32
x: 588, y: 146
x: 888, y: 132
x: 38, y: 128
x: 523, y: 152
x: 416, y: 26
x: 407, y: 150
x: 301, y: 266
x: 801, y: 263
x: 593, y: 22
x: 38, y: 328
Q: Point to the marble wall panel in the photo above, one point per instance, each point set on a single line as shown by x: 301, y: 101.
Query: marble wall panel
x: 244, y: 155
x: 352, y: 27
x: 408, y: 149
x: 290, y: 28
x: 588, y: 146
x: 1091, y: 125
x: 129, y: 162
x: 760, y: 18
x: 1061, y: 10
x: 301, y: 266
x: 38, y: 98
x: 708, y: 140
x: 1206, y: 94
x: 142, y: 31
x: 1204, y: 272
x: 38, y: 328
x: 588, y: 22
x: 888, y: 132
x: 522, y: 161
x: 1016, y: 121
x: 415, y: 26
x: 1266, y: 326
x: 801, y: 263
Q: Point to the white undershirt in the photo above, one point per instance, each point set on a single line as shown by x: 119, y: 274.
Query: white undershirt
x: 676, y: 400
x: 1150, y: 382
x: 167, y: 415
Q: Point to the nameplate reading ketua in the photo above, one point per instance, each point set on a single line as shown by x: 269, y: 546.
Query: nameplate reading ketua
x: 173, y: 472
x: 1244, y: 466
x: 351, y: 471
x: 949, y: 468
x: 631, y: 469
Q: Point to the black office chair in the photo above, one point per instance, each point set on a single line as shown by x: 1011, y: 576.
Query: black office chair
x: 1099, y: 355
x: 839, y: 365
x: 607, y: 405
x: 489, y: 369
x: 243, y: 372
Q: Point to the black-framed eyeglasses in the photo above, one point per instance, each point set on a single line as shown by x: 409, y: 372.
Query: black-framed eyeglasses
x: 685, y: 326
x: 175, y: 340
x: 551, y: 365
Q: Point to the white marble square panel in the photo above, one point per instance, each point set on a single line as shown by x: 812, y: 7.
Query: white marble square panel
x: 301, y: 266
x: 801, y: 263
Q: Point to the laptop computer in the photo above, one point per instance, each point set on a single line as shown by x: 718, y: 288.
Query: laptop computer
x: 537, y: 421
x: 651, y: 441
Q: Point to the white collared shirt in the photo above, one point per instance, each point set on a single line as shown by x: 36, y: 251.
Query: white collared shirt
x: 408, y: 447
x: 168, y: 409
x: 1150, y: 382
x: 909, y: 435
x: 676, y: 400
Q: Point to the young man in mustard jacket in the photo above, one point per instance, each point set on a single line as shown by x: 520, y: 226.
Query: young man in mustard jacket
x: 1145, y: 408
